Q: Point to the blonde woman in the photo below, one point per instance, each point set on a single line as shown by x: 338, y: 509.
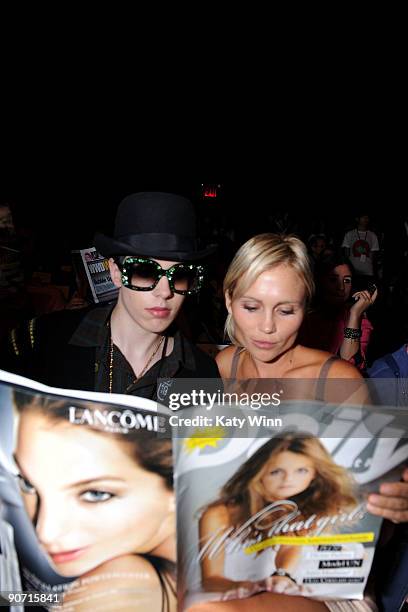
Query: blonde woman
x: 267, y: 289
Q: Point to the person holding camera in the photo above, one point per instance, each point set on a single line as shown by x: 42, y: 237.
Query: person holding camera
x: 337, y: 322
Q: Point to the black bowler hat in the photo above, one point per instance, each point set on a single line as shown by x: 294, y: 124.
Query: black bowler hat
x: 154, y: 224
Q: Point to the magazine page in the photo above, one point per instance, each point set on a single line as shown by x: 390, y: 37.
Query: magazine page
x: 93, y: 276
x: 284, y: 503
x: 87, y: 507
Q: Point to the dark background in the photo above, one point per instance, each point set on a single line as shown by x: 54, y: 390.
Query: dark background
x: 68, y: 199
x: 64, y: 169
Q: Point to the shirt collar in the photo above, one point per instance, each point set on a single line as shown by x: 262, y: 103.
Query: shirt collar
x: 94, y: 328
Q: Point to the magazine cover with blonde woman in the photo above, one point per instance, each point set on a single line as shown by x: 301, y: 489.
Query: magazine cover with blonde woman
x: 282, y: 507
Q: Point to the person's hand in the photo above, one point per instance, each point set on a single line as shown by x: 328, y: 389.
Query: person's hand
x: 363, y: 301
x: 246, y: 589
x: 281, y: 584
x: 392, y: 500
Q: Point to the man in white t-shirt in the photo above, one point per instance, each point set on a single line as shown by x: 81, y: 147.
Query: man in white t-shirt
x: 361, y: 247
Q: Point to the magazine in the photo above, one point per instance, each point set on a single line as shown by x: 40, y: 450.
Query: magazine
x: 284, y: 503
x: 268, y: 497
x: 86, y: 500
x: 92, y: 276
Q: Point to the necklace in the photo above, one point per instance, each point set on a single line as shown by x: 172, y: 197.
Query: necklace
x: 148, y: 362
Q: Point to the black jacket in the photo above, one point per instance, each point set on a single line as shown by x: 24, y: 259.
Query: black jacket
x: 68, y: 349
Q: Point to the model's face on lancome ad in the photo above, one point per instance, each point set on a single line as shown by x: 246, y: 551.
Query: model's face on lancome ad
x: 87, y: 496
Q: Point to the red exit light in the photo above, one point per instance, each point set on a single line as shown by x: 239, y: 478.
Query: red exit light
x: 209, y: 191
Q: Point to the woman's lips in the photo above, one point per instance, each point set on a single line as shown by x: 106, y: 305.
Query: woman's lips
x: 159, y: 313
x: 66, y: 556
x: 262, y: 344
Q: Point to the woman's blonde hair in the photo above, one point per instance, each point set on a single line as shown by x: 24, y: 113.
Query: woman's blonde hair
x: 259, y: 254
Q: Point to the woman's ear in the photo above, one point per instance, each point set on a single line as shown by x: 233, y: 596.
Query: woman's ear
x: 228, y: 302
x: 115, y: 273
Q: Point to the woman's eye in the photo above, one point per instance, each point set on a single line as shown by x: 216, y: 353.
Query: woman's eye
x: 96, y: 496
x: 275, y: 472
x: 303, y: 470
x: 250, y: 308
x: 286, y: 312
x: 347, y: 281
x: 26, y: 486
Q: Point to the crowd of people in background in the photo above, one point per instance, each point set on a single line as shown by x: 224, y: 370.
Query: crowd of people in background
x: 371, y: 256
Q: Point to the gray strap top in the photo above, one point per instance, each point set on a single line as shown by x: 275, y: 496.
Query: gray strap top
x: 321, y: 381
x: 234, y: 363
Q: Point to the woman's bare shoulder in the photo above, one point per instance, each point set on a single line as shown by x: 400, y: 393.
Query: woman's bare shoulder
x: 343, y: 369
x: 119, y: 581
x: 224, y: 360
x: 125, y: 568
x: 218, y: 513
x: 126, y: 563
x: 314, y: 360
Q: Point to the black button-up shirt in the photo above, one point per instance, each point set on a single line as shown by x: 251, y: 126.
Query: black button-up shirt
x: 94, y: 331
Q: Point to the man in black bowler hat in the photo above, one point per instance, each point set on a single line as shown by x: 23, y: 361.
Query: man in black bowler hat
x: 155, y: 261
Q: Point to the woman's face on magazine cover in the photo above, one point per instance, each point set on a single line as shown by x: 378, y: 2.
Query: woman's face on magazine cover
x: 87, y: 496
x: 268, y: 316
x: 287, y: 474
x: 153, y: 310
